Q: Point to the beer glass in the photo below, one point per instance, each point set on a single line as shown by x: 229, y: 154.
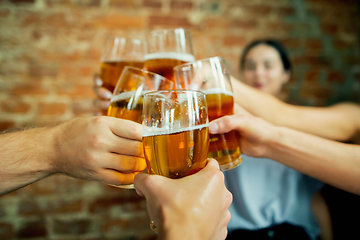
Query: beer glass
x: 166, y: 49
x: 127, y: 99
x: 212, y: 77
x: 119, y: 52
x: 175, y: 132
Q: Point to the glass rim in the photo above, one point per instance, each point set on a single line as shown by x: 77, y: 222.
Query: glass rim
x: 173, y: 90
x: 164, y: 30
x: 197, y: 61
x: 126, y: 38
x: 145, y: 71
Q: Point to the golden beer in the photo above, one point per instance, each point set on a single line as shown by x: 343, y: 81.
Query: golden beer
x: 164, y: 63
x: 110, y: 71
x: 127, y: 105
x: 223, y: 147
x: 177, y: 154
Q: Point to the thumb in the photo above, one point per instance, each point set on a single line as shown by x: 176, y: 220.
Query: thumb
x: 139, y: 183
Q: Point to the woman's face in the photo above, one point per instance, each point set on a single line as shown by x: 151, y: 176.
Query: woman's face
x: 264, y: 70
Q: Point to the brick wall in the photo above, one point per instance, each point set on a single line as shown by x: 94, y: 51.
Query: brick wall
x: 49, y: 50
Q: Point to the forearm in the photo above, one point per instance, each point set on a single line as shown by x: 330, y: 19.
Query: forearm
x: 25, y: 157
x: 258, y: 103
x: 335, y: 163
x: 339, y: 122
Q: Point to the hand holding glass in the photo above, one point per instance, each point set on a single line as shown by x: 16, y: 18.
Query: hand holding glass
x: 212, y: 77
x: 127, y: 99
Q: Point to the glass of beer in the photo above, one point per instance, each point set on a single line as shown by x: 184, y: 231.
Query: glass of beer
x: 127, y: 99
x: 212, y: 77
x: 118, y: 53
x: 166, y: 49
x: 175, y: 132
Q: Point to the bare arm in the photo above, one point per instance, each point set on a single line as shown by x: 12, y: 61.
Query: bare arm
x: 338, y: 122
x: 335, y: 163
x: 98, y: 148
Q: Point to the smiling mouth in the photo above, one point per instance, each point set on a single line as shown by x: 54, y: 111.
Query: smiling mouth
x: 258, y: 86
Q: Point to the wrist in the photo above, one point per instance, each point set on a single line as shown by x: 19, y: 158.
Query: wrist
x: 274, y: 143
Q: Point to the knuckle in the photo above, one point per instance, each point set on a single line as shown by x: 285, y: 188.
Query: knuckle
x: 99, y: 120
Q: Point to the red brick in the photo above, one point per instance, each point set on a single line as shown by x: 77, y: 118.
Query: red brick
x: 32, y: 229
x: 52, y: 3
x: 234, y: 41
x: 312, y: 76
x: 42, y: 70
x: 15, y: 106
x: 29, y: 89
x: 52, y: 108
x: 157, y: 4
x: 286, y: 11
x: 335, y: 76
x: 116, y: 223
x: 330, y: 28
x: 6, y: 231
x: 169, y: 21
x: 80, y: 226
x: 244, y: 24
x: 5, y: 125
x: 214, y: 22
x: 315, y: 61
x: 104, y: 204
x: 290, y: 43
x: 129, y: 4
x: 181, y: 5
x: 89, y: 3
x: 342, y: 45
x: 318, y: 92
x: 4, y: 13
x: 258, y: 10
x: 313, y: 44
x: 119, y: 21
x: 22, y: 1
x: 76, y: 91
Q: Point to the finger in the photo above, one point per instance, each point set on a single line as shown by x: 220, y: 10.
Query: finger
x: 123, y: 163
x: 102, y: 93
x: 101, y: 104
x: 139, y: 183
x: 97, y: 80
x: 125, y: 128
x: 145, y: 183
x: 124, y: 146
x: 212, y: 163
x: 226, y: 124
x: 113, y: 177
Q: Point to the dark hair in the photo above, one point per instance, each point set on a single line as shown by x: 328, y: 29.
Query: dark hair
x: 272, y: 43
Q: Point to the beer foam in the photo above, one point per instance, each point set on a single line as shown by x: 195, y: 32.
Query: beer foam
x: 126, y: 95
x: 186, y: 57
x: 217, y: 91
x: 154, y: 131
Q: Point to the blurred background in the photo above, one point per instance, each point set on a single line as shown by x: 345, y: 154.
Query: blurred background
x: 50, y: 49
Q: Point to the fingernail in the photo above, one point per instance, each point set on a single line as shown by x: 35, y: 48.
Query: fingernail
x: 107, y: 95
x: 213, y: 127
x: 98, y: 82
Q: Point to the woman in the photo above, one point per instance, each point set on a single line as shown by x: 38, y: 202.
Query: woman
x: 271, y: 201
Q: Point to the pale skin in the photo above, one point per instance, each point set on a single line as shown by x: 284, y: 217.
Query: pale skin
x: 98, y: 148
x: 193, y: 207
x: 335, y: 163
x: 263, y: 70
x: 110, y: 150
x: 339, y: 122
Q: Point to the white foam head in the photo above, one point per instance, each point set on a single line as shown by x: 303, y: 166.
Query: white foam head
x: 154, y: 131
x: 218, y: 91
x: 186, y: 57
